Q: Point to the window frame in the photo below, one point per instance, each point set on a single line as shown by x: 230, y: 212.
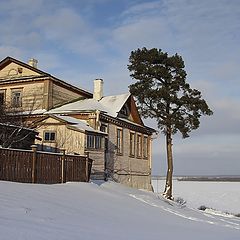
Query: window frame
x: 16, y: 102
x: 139, y: 145
x: 3, y: 93
x: 90, y: 141
x: 98, y: 142
x: 50, y: 132
x: 94, y: 142
x: 104, y: 128
x: 132, y: 143
x: 145, y: 147
x: 119, y: 138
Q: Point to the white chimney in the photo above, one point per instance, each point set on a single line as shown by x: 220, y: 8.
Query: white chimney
x: 33, y: 62
x: 98, y: 89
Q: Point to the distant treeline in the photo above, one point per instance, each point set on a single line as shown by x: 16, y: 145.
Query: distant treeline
x: 202, y: 178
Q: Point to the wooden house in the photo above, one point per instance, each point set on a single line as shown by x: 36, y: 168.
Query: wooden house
x: 108, y: 128
x: 26, y: 88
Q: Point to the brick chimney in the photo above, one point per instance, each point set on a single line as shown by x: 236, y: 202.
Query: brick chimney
x: 98, y: 89
x: 33, y: 62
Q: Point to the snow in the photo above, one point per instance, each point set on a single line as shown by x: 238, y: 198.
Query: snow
x: 221, y: 196
x: 113, y: 104
x: 110, y: 105
x: 81, y: 105
x: 102, y: 210
x: 77, y: 123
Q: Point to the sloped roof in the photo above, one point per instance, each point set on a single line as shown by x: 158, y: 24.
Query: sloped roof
x: 110, y: 105
x: 114, y: 103
x: 75, y: 123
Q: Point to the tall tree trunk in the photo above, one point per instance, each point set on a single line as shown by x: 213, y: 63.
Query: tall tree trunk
x: 168, y: 185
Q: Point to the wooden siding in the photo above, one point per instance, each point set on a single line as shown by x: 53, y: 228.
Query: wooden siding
x: 130, y: 170
x: 71, y: 140
x: 98, y: 163
x: 61, y: 95
x: 32, y: 94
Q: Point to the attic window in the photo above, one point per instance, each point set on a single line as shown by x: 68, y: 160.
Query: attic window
x: 124, y: 111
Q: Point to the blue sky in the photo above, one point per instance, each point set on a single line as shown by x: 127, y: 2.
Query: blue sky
x: 80, y: 40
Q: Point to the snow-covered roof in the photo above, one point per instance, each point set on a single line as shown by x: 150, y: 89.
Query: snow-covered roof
x: 113, y: 104
x: 110, y: 105
x: 76, y: 123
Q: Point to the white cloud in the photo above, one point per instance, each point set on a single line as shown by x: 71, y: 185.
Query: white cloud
x: 63, y: 23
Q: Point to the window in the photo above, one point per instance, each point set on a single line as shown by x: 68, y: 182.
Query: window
x: 119, y: 141
x: 16, y: 97
x: 145, y: 147
x: 103, y: 128
x: 124, y: 111
x: 132, y: 144
x: 90, y: 141
x: 98, y: 142
x: 139, y: 145
x: 49, y: 136
x: 94, y: 141
x: 2, y: 97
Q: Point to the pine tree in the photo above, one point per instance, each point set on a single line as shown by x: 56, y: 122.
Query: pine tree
x: 162, y: 93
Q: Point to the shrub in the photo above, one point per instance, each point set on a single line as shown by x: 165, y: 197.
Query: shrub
x: 202, y: 208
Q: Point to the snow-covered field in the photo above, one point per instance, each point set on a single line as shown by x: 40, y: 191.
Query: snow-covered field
x: 221, y: 196
x: 102, y: 211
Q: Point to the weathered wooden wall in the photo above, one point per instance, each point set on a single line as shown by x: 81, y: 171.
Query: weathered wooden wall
x: 41, y: 167
x: 71, y: 140
x: 61, y: 95
x: 132, y: 171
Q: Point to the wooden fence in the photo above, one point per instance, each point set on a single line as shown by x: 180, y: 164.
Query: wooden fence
x: 41, y: 167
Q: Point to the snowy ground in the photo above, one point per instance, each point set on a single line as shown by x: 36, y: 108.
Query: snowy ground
x: 102, y: 211
x: 221, y: 196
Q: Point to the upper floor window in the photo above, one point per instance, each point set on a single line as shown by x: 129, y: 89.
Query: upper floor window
x: 139, y: 145
x: 132, y: 144
x: 16, y: 97
x: 119, y: 141
x: 49, y: 136
x: 145, y: 147
x: 103, y: 128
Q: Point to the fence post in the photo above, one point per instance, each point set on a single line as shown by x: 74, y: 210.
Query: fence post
x: 86, y: 168
x: 34, y: 161
x: 63, y: 165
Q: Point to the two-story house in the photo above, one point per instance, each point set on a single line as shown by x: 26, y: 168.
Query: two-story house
x: 108, y: 128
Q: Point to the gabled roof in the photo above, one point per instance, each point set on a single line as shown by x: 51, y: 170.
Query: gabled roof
x: 110, y: 105
x: 9, y: 60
